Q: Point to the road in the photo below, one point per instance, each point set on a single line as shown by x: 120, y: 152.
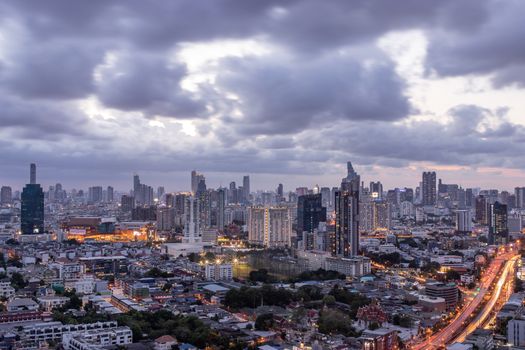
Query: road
x: 445, y: 335
x: 489, y: 306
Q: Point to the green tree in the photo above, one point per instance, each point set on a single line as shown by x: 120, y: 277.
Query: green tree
x: 18, y: 281
x: 264, y: 322
x: 329, y: 300
x: 452, y: 275
x: 334, y: 321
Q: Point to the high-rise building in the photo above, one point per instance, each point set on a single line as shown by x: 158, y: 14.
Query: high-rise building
x: 366, y: 214
x: 481, y: 206
x: 180, y: 204
x: 160, y: 192
x: 345, y: 242
x: 519, y: 193
x: 127, y: 203
x: 310, y: 212
x: 382, y: 215
x: 221, y: 205
x: 469, y: 198
x: 109, y: 194
x: 136, y: 185
x: 204, y: 202
x: 429, y: 188
x: 165, y: 218
x: 192, y: 229
x: 32, y: 211
x: 246, y: 189
x: 280, y: 193
x: 233, y: 193
x: 270, y: 226
x: 144, y: 213
x: 6, y: 195
x: 195, y: 179
x: 325, y: 197
x: 498, y: 229
x: 463, y: 221
x: 32, y: 174
x: 95, y: 194
x: 376, y: 190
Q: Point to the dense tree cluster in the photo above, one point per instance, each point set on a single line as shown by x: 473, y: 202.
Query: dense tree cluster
x: 334, y: 321
x: 261, y: 276
x: 264, y: 322
x: 254, y: 297
x: 402, y: 320
x: 319, y: 275
x: 156, y: 273
x: 353, y: 300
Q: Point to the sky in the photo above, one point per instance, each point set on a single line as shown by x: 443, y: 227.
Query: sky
x: 286, y: 91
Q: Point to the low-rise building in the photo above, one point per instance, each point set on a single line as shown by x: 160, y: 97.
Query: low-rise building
x: 97, y: 338
x: 218, y: 272
x: 54, y: 330
x: 6, y: 290
x: 22, y: 304
x: 448, y: 291
x: 351, y: 267
x: 165, y: 342
x: 49, y: 302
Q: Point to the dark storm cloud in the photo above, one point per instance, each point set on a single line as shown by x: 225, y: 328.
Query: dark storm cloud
x: 326, y: 95
x: 277, y: 96
x: 300, y: 23
x: 494, y: 48
x: 40, y: 120
x: 312, y: 24
x: 148, y: 83
x: 54, y: 70
x: 464, y: 141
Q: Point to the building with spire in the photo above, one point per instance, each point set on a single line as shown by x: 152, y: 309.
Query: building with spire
x: 345, y: 242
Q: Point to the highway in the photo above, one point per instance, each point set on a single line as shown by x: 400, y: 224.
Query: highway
x: 447, y: 334
x: 489, y: 306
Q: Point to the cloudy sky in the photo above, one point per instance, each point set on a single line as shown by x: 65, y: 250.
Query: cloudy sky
x: 286, y: 91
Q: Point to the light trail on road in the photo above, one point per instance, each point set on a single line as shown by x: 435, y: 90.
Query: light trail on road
x: 444, y: 336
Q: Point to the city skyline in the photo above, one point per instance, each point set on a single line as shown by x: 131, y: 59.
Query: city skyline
x: 258, y: 89
x: 213, y: 182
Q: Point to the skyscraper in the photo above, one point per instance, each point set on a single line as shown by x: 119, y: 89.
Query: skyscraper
x: 32, y: 211
x: 481, y: 206
x: 429, y: 188
x: 127, y: 203
x: 376, y: 190
x: 270, y: 226
x: 95, y: 194
x: 519, y: 193
x: 204, y: 202
x: 138, y: 193
x: 32, y: 174
x: 498, y: 230
x: 195, y: 179
x: 136, y: 183
x: 6, y: 195
x: 463, y: 221
x: 346, y: 239
x: 280, y: 193
x: 246, y: 189
x: 109, y: 194
x: 192, y: 229
x: 160, y: 192
x: 310, y: 212
x: 221, y: 205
